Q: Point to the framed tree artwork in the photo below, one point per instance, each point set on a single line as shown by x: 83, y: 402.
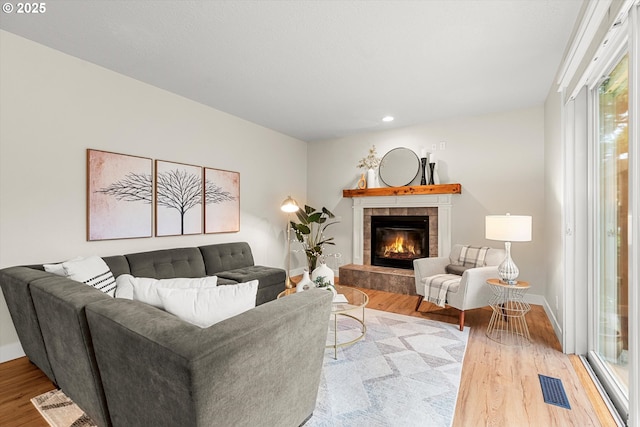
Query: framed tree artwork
x: 222, y: 201
x: 178, y: 199
x: 119, y: 196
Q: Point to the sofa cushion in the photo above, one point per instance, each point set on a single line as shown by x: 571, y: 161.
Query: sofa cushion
x: 92, y: 271
x: 268, y: 276
x: 118, y: 264
x: 167, y: 263
x: 145, y: 289
x: 223, y: 281
x: 226, y: 256
x: 207, y: 306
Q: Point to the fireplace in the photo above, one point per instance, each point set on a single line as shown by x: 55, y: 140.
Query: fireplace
x: 437, y: 207
x: 397, y: 240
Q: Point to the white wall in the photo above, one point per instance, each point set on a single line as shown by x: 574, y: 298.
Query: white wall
x: 54, y: 106
x: 498, y: 159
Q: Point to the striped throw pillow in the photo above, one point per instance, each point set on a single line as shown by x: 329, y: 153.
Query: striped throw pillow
x: 92, y: 271
x: 472, y: 257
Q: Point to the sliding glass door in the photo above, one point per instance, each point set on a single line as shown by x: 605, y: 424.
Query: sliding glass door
x: 610, y: 321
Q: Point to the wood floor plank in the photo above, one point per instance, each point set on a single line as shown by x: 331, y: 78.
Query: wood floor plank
x: 499, y: 384
x: 20, y: 381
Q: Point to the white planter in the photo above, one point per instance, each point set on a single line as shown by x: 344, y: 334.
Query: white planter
x: 323, y: 271
x: 304, y: 283
x: 372, y: 178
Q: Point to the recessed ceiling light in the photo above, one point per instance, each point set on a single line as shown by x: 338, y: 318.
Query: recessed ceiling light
x: 387, y: 119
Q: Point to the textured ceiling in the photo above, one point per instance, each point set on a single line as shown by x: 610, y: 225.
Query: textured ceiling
x: 322, y: 69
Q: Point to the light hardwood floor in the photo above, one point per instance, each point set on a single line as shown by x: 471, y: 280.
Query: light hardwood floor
x: 499, y: 385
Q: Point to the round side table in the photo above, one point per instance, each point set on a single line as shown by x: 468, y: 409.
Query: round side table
x: 508, y: 324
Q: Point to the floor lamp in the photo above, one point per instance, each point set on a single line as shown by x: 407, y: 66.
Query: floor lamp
x: 289, y: 206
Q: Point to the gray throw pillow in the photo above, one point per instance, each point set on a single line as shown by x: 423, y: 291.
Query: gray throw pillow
x: 456, y: 269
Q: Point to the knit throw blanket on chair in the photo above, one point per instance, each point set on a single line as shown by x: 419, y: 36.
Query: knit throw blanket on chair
x: 436, y: 287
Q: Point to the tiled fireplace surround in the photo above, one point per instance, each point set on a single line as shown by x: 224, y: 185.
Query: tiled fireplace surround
x: 361, y: 273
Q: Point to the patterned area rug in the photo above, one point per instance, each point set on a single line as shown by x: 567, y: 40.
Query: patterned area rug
x: 59, y: 411
x: 405, y: 372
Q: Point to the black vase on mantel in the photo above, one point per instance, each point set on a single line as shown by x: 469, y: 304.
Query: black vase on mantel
x: 423, y: 181
x: 432, y: 167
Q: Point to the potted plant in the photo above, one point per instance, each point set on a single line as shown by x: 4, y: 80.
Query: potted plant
x: 322, y: 283
x: 310, y: 232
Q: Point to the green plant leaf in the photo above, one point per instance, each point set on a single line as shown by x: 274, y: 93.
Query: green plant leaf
x: 328, y: 213
x: 301, y: 228
x: 316, y: 217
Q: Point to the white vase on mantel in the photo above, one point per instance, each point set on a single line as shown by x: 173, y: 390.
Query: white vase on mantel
x: 372, y: 178
x: 304, y: 283
x: 323, y: 270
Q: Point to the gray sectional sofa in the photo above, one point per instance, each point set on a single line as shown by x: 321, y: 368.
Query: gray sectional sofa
x: 126, y: 363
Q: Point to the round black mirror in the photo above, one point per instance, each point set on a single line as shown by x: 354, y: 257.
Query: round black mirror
x: 399, y: 167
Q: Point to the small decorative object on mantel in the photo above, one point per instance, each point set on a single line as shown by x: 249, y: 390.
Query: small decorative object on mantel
x: 423, y: 161
x: 433, y: 169
x: 310, y: 232
x: 370, y: 163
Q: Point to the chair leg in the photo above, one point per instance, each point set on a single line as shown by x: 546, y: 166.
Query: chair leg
x: 461, y: 320
x: 419, y: 302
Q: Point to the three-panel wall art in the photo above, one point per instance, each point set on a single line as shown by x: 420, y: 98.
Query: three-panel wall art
x: 125, y: 193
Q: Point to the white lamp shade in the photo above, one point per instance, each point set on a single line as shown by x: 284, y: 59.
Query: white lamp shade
x: 508, y: 228
x: 289, y: 205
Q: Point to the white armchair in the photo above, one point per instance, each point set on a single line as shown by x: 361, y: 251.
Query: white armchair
x: 470, y: 289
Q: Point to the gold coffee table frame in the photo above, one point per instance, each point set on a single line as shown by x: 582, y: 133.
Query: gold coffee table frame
x: 356, y: 299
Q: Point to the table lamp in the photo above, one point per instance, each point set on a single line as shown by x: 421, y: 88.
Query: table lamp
x: 508, y: 228
x: 289, y: 206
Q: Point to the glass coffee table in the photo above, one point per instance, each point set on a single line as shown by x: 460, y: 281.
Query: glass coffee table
x: 349, y: 302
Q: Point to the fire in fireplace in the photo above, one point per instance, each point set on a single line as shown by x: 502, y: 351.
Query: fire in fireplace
x: 397, y: 240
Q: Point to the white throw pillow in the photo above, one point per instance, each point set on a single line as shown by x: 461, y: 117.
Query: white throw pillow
x: 58, y: 269
x: 124, y: 286
x: 208, y: 306
x: 145, y: 289
x: 92, y: 271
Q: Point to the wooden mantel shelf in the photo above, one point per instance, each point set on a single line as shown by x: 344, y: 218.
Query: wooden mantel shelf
x: 404, y: 191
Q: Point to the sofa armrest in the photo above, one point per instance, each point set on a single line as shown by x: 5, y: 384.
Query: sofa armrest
x: 159, y: 370
x: 425, y: 267
x: 15, y: 283
x: 60, y: 304
x: 474, y: 292
x: 226, y: 256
